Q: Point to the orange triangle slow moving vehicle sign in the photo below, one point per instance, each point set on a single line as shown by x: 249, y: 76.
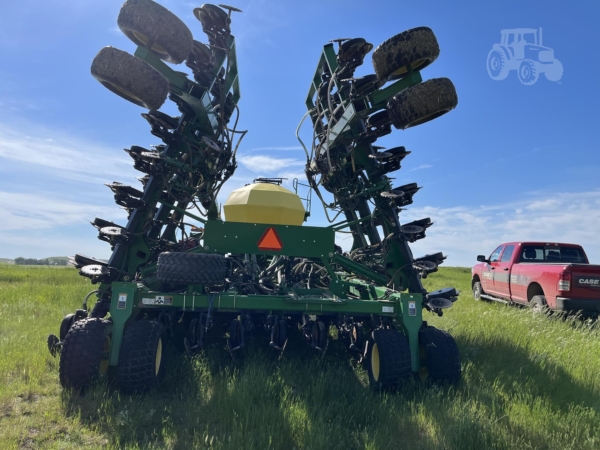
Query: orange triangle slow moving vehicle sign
x: 270, y: 240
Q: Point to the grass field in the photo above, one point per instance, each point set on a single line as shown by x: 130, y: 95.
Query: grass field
x: 530, y: 382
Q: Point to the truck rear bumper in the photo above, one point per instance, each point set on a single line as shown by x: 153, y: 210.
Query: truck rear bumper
x: 586, y: 306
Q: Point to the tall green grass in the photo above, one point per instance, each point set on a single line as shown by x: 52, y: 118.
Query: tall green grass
x: 530, y: 382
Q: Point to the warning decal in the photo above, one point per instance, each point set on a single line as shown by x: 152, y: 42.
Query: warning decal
x: 270, y: 240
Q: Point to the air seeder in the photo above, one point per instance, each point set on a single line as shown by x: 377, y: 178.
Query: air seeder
x: 182, y: 269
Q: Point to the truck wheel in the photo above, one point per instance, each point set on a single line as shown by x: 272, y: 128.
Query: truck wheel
x: 416, y: 47
x: 388, y: 359
x: 142, y: 357
x: 496, y: 65
x: 131, y: 78
x: 441, y: 355
x: 84, y: 353
x: 477, y: 290
x: 151, y: 25
x: 555, y: 71
x: 191, y: 268
x: 528, y: 72
x: 422, y: 102
x: 538, y: 304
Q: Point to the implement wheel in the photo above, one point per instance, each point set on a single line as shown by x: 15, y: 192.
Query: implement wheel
x: 388, y: 360
x: 151, y: 25
x: 131, y: 78
x: 84, y: 353
x: 442, y: 360
x: 422, y: 102
x: 416, y: 48
x: 191, y: 268
x: 142, y: 356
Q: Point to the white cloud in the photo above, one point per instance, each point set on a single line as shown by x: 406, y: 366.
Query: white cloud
x: 67, y: 156
x: 21, y: 212
x: 291, y: 148
x: 421, y: 167
x: 268, y: 164
x: 463, y: 232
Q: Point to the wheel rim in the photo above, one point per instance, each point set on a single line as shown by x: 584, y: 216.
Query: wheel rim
x: 375, y: 365
x: 123, y: 93
x: 403, y: 70
x: 427, y: 118
x: 104, y: 362
x: 144, y: 41
x: 158, y: 358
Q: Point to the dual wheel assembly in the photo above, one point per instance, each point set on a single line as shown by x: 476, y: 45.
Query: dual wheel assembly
x: 388, y: 358
x: 85, y: 351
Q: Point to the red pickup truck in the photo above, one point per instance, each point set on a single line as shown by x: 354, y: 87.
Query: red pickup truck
x: 539, y: 274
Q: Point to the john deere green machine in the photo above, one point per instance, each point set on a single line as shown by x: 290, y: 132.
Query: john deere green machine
x: 184, y: 267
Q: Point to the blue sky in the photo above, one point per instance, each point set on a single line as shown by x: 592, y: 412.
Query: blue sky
x: 512, y: 162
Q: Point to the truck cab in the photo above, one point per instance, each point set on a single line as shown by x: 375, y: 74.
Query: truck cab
x: 540, y: 274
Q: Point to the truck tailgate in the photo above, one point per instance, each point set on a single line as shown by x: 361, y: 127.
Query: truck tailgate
x: 585, y: 281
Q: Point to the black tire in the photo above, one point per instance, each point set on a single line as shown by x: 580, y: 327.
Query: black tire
x: 191, y: 268
x: 422, y: 102
x: 538, y: 304
x: 142, y: 356
x: 442, y: 357
x: 320, y: 334
x: 131, y: 78
x: 388, y: 359
x: 66, y: 325
x: 417, y: 47
x: 236, y: 334
x: 477, y: 290
x: 84, y: 353
x: 151, y: 25
x: 496, y: 65
x: 279, y: 333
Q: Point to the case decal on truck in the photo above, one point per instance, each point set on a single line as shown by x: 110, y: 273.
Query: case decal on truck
x: 588, y: 281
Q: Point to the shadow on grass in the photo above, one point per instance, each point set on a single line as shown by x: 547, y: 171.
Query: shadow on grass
x: 303, y: 401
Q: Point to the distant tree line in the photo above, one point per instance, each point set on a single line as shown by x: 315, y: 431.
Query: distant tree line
x: 41, y: 262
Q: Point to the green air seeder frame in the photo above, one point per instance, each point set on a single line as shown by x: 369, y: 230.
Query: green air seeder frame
x: 131, y: 299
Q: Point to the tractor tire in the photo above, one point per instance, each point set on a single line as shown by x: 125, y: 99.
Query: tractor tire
x: 422, y: 102
x: 496, y: 65
x: 528, y: 73
x: 477, y: 290
x: 154, y: 27
x: 84, y: 353
x: 191, y: 268
x: 555, y: 71
x: 388, y: 360
x: 442, y: 357
x: 417, y: 47
x: 131, y: 78
x: 142, y: 357
x: 538, y: 304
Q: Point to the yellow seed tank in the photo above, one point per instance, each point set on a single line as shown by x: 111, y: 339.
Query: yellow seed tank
x: 264, y: 203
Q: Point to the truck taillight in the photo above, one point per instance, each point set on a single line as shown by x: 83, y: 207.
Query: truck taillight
x: 564, y: 282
